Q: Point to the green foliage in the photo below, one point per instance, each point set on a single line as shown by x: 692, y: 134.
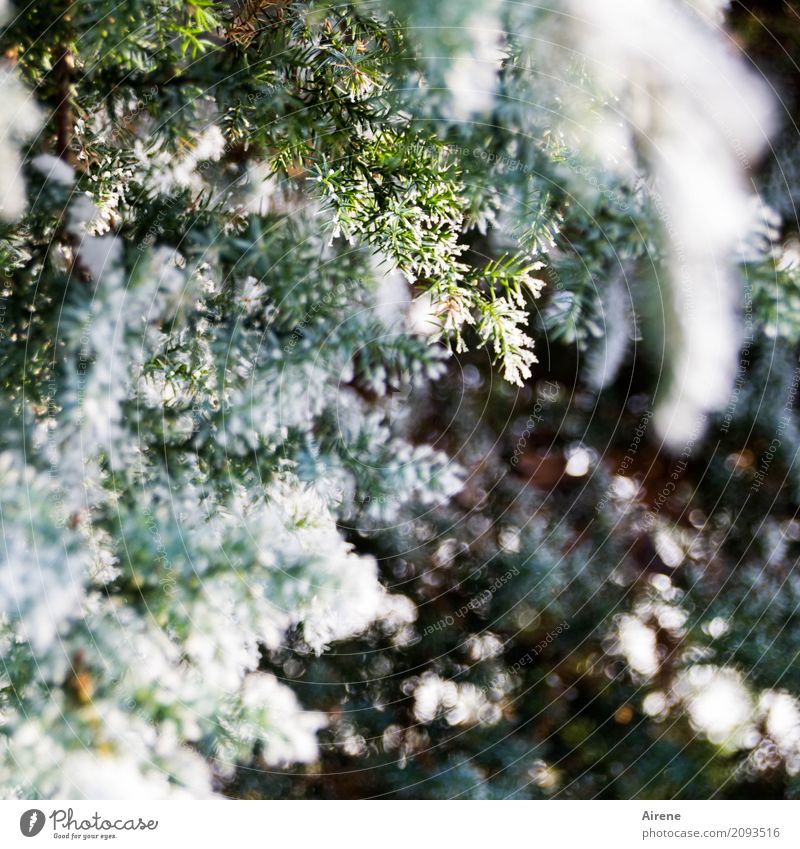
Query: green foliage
x: 261, y: 485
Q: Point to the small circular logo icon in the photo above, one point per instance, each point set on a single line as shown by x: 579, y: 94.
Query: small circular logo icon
x: 31, y: 822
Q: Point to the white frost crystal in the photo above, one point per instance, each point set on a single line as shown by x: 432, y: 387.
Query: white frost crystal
x: 20, y: 120
x: 666, y: 94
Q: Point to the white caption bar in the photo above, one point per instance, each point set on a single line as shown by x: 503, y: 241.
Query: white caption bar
x: 402, y: 825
